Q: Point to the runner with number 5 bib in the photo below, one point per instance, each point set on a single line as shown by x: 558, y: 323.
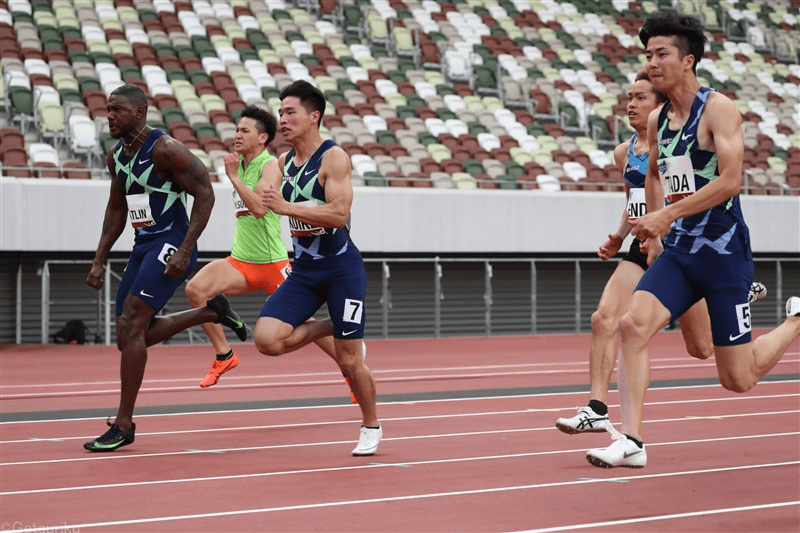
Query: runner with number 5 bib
x: 151, y: 175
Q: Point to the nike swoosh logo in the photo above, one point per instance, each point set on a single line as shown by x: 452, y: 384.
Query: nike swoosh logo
x: 143, y: 161
x: 238, y: 324
x: 112, y: 445
x: 686, y: 137
x: 626, y: 454
x: 732, y: 338
x: 308, y: 172
x: 346, y: 333
x: 145, y: 294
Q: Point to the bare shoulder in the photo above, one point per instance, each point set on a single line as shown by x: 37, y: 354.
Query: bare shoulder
x: 167, y: 147
x: 721, y: 111
x: 336, y: 156
x: 719, y: 104
x: 620, y: 152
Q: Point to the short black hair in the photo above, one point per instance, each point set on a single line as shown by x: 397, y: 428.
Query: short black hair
x: 310, y: 97
x: 643, y: 75
x: 265, y: 122
x: 687, y: 32
x: 133, y: 92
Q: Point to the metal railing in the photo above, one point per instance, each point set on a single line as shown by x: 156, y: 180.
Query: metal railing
x: 437, y: 296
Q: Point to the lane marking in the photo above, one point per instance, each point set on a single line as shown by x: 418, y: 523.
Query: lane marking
x: 394, y: 419
x: 441, y: 400
x: 122, y: 456
x: 257, y: 381
x: 490, y: 490
x: 665, y: 517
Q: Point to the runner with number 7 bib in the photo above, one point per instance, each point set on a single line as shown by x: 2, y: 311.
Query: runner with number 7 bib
x: 316, y: 194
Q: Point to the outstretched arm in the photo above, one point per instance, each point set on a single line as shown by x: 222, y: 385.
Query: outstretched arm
x: 174, y: 162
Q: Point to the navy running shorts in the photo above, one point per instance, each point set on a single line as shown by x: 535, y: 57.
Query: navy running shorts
x: 144, y: 274
x: 679, y: 280
x: 339, y: 280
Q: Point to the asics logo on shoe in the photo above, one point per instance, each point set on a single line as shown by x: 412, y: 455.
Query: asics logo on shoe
x: 732, y: 338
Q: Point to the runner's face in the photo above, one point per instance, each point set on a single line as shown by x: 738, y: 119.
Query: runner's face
x: 641, y: 102
x: 295, y: 120
x: 123, y: 114
x: 665, y: 66
x: 248, y: 140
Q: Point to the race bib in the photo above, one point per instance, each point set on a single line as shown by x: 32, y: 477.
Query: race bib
x: 239, y: 206
x: 677, y: 177
x: 301, y: 229
x: 139, y: 210
x: 637, y: 206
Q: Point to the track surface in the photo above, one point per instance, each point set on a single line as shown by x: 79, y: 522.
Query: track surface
x: 469, y: 443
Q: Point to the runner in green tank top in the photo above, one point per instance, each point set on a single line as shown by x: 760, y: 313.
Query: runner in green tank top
x: 258, y: 258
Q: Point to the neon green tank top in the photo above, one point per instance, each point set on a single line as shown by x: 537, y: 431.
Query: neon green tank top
x: 257, y: 240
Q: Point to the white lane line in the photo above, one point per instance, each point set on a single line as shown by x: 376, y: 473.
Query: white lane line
x: 371, y: 465
x: 414, y: 418
x: 665, y: 517
x: 439, y: 400
x: 109, y: 457
x: 490, y: 490
x: 256, y: 381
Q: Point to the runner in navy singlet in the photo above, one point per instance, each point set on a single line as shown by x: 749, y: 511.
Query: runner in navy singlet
x: 631, y: 157
x: 696, y: 152
x: 151, y: 175
x: 316, y: 195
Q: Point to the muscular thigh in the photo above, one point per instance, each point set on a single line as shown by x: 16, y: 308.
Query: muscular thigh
x: 296, y: 300
x: 725, y: 281
x: 144, y: 275
x: 219, y: 276
x: 346, y: 295
x: 669, y: 280
x: 265, y: 276
x: 619, y: 289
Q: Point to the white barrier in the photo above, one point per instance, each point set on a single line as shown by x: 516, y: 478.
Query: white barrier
x: 63, y: 215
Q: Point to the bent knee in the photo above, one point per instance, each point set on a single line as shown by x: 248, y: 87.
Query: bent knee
x: 270, y: 348
x: 194, y: 293
x: 604, y: 322
x: 737, y: 383
x: 701, y: 352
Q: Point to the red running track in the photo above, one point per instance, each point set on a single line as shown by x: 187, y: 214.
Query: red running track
x: 469, y: 445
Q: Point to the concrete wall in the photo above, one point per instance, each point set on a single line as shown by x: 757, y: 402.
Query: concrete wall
x: 63, y: 215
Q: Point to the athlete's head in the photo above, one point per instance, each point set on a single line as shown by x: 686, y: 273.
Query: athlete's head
x: 673, y: 42
x: 127, y: 110
x: 302, y: 106
x: 256, y: 129
x: 642, y: 100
